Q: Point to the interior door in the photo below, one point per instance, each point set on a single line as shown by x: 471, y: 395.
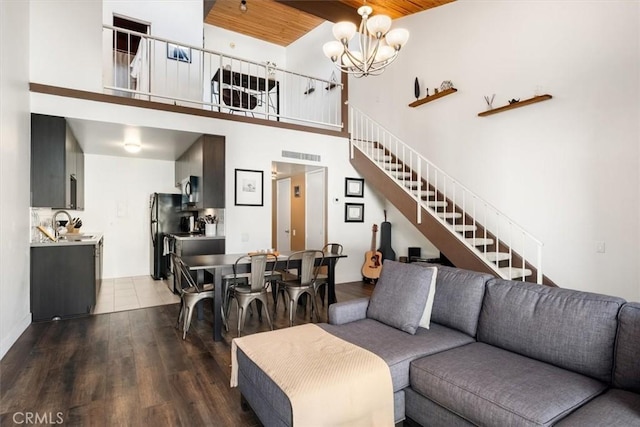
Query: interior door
x: 315, y: 209
x: 283, y: 223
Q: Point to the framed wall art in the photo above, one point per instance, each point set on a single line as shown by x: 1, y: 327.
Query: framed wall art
x: 249, y: 188
x: 354, y: 187
x: 178, y: 53
x: 354, y: 212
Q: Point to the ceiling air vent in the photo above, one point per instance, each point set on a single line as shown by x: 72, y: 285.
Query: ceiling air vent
x: 301, y: 156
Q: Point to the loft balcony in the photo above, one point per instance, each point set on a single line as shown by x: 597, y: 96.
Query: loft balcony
x: 141, y: 67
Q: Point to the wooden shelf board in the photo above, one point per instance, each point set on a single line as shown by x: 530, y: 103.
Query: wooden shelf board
x: 518, y: 104
x: 433, y: 97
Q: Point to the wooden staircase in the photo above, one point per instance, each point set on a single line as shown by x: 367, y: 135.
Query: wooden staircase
x: 458, y: 236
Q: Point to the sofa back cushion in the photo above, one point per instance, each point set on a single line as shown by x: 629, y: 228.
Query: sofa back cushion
x: 626, y: 374
x: 458, y: 298
x: 570, y: 329
x: 400, y: 295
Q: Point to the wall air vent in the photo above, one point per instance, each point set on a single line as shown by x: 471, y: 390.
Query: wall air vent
x: 301, y: 156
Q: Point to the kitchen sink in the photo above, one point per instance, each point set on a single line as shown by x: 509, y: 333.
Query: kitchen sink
x: 72, y: 238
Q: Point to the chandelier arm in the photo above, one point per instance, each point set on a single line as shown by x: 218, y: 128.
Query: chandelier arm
x: 357, y: 63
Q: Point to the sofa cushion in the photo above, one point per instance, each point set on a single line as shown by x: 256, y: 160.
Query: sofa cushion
x: 570, y: 329
x: 400, y: 295
x: 458, y: 298
x: 395, y: 347
x: 626, y: 374
x: 615, y: 408
x: 490, y: 386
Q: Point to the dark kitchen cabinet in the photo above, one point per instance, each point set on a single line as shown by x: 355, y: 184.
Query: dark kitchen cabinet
x: 57, y: 164
x: 206, y: 160
x: 65, y: 280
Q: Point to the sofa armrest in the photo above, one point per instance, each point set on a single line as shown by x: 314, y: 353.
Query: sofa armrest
x: 348, y: 311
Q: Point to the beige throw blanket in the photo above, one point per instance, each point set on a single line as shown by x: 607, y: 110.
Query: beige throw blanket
x: 329, y: 381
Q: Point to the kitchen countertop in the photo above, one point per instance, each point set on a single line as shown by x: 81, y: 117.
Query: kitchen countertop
x: 91, y: 238
x: 193, y: 236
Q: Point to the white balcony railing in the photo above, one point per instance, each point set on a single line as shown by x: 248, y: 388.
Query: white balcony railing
x: 476, y: 223
x: 141, y: 66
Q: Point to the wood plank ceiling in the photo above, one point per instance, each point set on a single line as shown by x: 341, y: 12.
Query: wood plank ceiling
x: 284, y: 21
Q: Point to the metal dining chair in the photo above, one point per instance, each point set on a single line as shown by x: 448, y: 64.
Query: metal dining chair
x: 296, y: 285
x: 322, y: 280
x: 248, y: 287
x: 190, y: 295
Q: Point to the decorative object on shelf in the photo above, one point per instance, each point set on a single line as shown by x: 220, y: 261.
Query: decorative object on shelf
x: 249, y: 188
x: 430, y: 98
x: 416, y: 88
x: 311, y: 86
x: 354, y: 187
x: 516, y: 104
x: 243, y: 6
x: 513, y: 101
x: 435, y: 91
x: 489, y: 101
x: 333, y: 81
x: 380, y: 44
x: 446, y: 85
x: 354, y: 212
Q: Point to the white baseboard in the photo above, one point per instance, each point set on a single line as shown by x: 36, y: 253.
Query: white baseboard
x: 14, y: 334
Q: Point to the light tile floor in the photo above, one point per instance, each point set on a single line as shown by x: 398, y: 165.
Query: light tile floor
x: 129, y: 293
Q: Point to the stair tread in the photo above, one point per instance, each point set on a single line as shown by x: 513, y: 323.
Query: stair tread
x: 514, y: 272
x: 479, y: 241
x: 449, y: 215
x: 436, y: 204
x: 497, y: 256
x: 465, y: 227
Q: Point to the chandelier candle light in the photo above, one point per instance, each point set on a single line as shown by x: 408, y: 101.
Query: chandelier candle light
x: 379, y: 46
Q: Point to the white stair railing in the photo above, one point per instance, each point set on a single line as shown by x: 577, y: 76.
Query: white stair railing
x: 156, y: 69
x: 474, y: 221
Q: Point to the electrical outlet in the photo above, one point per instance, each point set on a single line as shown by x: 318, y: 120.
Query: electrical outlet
x: 600, y: 247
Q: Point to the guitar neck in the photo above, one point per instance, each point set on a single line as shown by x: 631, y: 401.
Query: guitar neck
x: 373, y: 241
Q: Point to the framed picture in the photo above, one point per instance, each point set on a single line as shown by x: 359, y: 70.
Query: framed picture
x: 354, y: 212
x: 249, y: 188
x: 354, y: 187
x: 178, y: 53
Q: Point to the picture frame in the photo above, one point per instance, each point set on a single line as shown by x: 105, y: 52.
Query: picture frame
x: 354, y: 187
x: 178, y: 53
x: 249, y: 187
x: 354, y: 212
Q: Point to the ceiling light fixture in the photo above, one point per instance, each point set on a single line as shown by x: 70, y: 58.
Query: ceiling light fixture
x: 379, y: 46
x: 132, y: 146
x: 243, y: 6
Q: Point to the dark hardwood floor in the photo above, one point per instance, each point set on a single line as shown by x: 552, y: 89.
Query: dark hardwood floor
x: 131, y: 368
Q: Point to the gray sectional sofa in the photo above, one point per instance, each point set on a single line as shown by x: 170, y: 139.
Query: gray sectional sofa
x: 502, y: 353
x: 496, y: 353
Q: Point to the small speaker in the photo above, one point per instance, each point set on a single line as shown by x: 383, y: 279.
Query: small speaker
x: 414, y: 253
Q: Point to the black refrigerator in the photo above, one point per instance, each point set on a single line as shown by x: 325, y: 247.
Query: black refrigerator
x: 164, y: 219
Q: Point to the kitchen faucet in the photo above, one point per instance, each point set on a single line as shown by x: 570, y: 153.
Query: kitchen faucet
x: 53, y: 220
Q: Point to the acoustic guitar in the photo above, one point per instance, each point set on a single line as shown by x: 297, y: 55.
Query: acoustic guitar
x: 372, y: 259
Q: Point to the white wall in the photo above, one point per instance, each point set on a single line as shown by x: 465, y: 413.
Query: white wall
x: 566, y: 169
x: 241, y: 46
x: 117, y: 191
x: 15, y: 313
x: 65, y: 37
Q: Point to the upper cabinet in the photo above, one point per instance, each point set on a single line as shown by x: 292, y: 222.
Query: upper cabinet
x: 57, y: 164
x: 205, y: 159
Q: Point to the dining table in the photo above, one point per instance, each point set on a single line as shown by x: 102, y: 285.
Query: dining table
x: 221, y: 264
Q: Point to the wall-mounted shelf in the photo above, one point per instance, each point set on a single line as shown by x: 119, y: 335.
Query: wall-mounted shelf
x: 518, y: 104
x: 432, y: 97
